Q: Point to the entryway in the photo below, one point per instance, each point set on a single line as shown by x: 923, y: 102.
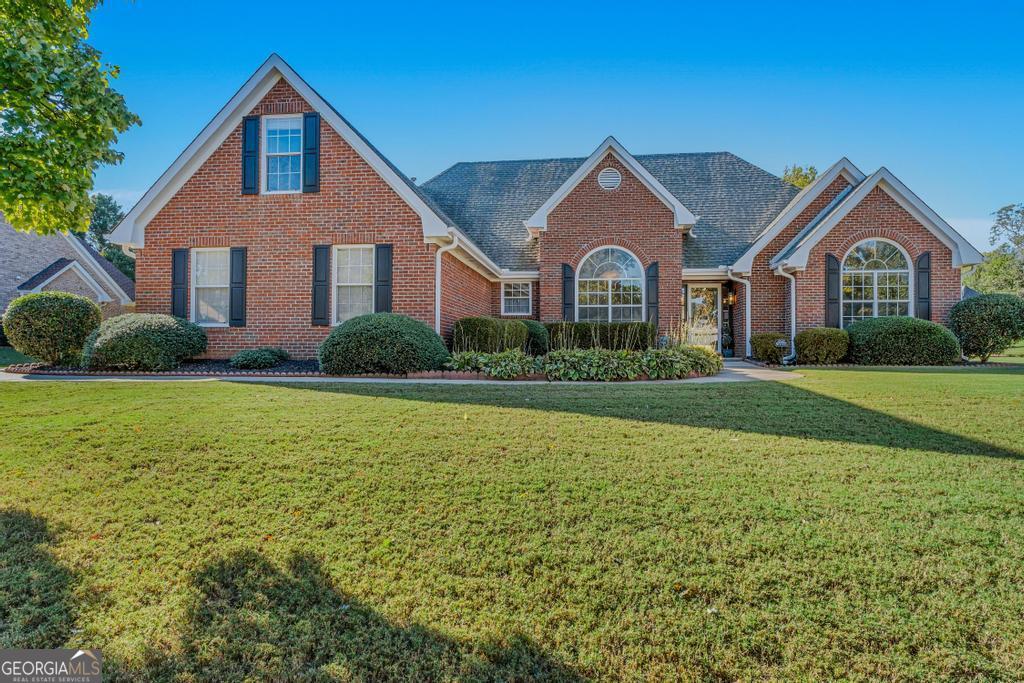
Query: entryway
x: 704, y: 314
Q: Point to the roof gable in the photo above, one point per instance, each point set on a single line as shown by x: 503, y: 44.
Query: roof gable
x: 682, y: 216
x: 131, y: 230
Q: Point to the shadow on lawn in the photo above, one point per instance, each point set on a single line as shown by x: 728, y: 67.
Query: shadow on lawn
x: 36, y: 608
x: 252, y: 621
x: 774, y: 408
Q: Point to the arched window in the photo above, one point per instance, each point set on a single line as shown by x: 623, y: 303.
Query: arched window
x: 876, y: 281
x: 610, y: 287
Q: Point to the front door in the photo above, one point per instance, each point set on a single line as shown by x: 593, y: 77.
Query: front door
x: 704, y: 314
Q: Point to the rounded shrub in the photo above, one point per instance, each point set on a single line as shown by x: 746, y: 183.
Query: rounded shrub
x: 257, y: 359
x: 988, y: 324
x: 767, y: 348
x: 822, y: 346
x: 488, y: 335
x: 381, y: 343
x: 537, y: 339
x: 51, y: 326
x: 901, y: 341
x: 143, y: 341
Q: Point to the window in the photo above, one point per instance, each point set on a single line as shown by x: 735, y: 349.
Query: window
x: 211, y: 290
x: 516, y: 298
x: 282, y: 152
x: 876, y: 281
x: 353, y: 282
x: 609, y: 287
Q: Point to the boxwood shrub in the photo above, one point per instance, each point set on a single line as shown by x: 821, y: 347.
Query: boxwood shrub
x: 822, y: 346
x: 987, y: 324
x: 766, y: 348
x: 258, y: 359
x: 902, y: 341
x: 143, y: 341
x: 381, y: 343
x: 538, y: 341
x: 612, y: 336
x: 51, y: 326
x: 488, y: 335
x: 608, y: 365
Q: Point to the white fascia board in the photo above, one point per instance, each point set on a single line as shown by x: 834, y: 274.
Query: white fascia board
x: 103, y: 275
x: 844, y: 167
x: 697, y: 273
x: 515, y: 275
x: 963, y: 251
x: 131, y: 230
x: 683, y: 218
x: 79, y: 270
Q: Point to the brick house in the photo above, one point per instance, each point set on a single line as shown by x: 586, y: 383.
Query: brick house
x: 280, y: 220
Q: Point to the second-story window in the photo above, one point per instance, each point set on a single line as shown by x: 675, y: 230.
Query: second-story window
x: 282, y: 153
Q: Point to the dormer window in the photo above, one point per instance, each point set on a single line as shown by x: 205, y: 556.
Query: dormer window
x: 282, y: 153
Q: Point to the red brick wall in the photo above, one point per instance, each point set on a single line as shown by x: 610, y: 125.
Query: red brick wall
x: 770, y: 304
x: 354, y: 206
x: 464, y: 293
x: 878, y: 215
x: 630, y: 216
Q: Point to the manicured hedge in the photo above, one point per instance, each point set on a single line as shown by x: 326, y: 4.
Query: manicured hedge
x: 489, y: 335
x: 987, y: 324
x: 822, y: 346
x: 143, y: 341
x: 612, y: 336
x: 765, y: 347
x: 538, y: 341
x: 901, y: 341
x: 51, y: 326
x: 258, y: 359
x: 381, y: 343
x: 603, y: 365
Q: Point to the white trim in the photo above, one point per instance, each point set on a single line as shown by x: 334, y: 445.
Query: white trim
x: 791, y: 356
x: 963, y: 252
x: 529, y: 297
x: 506, y: 275
x: 100, y: 272
x: 717, y: 286
x: 334, y: 278
x: 131, y: 230
x: 698, y: 273
x: 263, y: 174
x: 844, y: 167
x: 682, y: 217
x: 909, y: 271
x: 192, y: 286
x: 746, y: 308
x: 78, y: 269
x: 576, y: 282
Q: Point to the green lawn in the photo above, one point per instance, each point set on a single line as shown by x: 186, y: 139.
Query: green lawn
x: 9, y: 356
x: 859, y: 524
x: 1012, y: 355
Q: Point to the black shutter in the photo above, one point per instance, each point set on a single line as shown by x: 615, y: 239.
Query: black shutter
x: 321, y: 284
x: 923, y: 285
x: 251, y: 155
x: 382, y: 278
x: 179, y: 283
x: 568, y: 293
x: 831, y: 291
x: 652, y: 293
x: 236, y: 302
x: 311, y: 152
x: 686, y: 301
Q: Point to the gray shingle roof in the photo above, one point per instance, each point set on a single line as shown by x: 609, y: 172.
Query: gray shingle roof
x: 122, y: 280
x: 44, y: 274
x: 733, y: 200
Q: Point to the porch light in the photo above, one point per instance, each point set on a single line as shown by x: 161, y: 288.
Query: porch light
x: 729, y: 299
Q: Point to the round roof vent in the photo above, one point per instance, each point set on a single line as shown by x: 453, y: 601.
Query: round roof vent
x: 609, y: 178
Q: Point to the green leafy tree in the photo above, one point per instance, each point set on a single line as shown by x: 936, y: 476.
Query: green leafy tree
x: 1002, y: 272
x: 59, y: 115
x: 106, y: 214
x: 800, y: 176
x: 1009, y: 226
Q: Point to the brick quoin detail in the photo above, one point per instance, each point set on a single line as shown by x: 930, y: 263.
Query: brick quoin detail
x: 354, y: 206
x: 630, y: 216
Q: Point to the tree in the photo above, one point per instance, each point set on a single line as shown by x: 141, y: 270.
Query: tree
x: 799, y: 176
x: 106, y: 214
x: 1009, y: 226
x: 59, y: 117
x: 1002, y: 272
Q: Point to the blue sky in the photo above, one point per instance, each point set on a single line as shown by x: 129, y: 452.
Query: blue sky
x: 933, y: 91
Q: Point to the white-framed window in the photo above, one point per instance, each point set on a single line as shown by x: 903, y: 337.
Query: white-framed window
x: 211, y: 286
x: 353, y: 281
x: 610, y: 287
x: 516, y: 298
x: 282, y: 154
x: 876, y: 281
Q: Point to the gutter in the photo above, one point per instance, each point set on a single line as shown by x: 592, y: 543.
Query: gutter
x: 746, y: 306
x: 437, y: 277
x: 792, y: 315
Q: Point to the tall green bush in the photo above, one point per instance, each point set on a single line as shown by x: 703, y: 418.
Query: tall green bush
x: 902, y: 341
x: 143, y: 341
x: 381, y: 343
x: 987, y: 324
x: 488, y: 335
x: 766, y: 347
x: 538, y: 341
x: 635, y: 336
x: 51, y: 326
x: 822, y: 346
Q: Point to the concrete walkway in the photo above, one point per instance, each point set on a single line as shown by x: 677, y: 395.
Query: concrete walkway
x: 735, y: 371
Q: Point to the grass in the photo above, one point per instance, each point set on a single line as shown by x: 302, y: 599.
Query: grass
x: 1012, y: 355
x: 9, y: 356
x: 855, y: 524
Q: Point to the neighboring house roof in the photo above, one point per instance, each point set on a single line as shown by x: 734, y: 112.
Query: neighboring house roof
x: 46, y: 274
x: 99, y: 273
x: 123, y: 282
x: 58, y: 268
x: 968, y: 293
x: 733, y: 201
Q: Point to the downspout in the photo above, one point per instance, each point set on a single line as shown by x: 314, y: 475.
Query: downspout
x: 437, y: 277
x: 746, y: 308
x: 792, y: 315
